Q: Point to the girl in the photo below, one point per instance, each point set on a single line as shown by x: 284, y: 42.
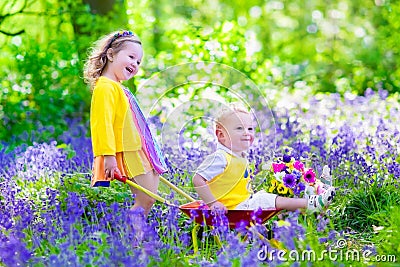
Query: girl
x: 121, y: 139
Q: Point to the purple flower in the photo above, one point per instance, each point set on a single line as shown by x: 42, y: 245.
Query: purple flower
x: 290, y: 231
x: 322, y: 223
x: 322, y: 240
x: 286, y: 158
x: 297, y: 174
x: 14, y: 252
x: 299, y: 189
x: 289, y: 180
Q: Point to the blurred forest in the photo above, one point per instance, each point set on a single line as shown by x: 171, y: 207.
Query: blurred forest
x: 332, y: 46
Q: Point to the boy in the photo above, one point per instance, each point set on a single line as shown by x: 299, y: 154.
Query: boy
x: 222, y: 180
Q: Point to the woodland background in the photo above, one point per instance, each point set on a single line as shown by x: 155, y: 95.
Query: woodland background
x: 332, y: 46
x: 329, y: 70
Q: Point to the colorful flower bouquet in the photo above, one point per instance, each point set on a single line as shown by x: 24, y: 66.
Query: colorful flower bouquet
x: 289, y: 177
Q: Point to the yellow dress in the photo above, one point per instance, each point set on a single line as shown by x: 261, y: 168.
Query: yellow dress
x: 114, y: 132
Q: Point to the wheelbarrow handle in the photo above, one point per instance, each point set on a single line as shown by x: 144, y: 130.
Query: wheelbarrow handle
x: 176, y: 189
x: 165, y: 181
x: 120, y: 178
x: 125, y: 180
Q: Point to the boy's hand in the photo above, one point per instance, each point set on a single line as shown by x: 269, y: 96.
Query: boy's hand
x: 110, y: 166
x: 218, y: 206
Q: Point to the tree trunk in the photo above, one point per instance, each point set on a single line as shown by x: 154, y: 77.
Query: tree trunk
x: 101, y: 20
x: 100, y: 7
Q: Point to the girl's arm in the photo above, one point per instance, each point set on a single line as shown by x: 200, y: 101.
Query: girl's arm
x: 102, y: 117
x: 205, y: 194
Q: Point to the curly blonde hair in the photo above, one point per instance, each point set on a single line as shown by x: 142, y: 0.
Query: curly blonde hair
x: 98, y: 59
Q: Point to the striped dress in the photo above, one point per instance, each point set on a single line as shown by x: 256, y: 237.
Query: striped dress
x: 137, y: 162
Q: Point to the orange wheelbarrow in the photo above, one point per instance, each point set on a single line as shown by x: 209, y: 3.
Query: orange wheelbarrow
x: 236, y: 218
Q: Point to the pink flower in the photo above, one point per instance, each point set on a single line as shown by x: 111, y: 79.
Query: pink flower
x: 278, y: 167
x: 298, y: 165
x: 309, y: 176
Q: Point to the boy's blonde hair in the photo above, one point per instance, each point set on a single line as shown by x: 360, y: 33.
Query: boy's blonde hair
x: 228, y: 110
x: 98, y: 59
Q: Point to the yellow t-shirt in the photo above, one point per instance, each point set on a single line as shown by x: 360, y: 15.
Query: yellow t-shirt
x: 112, y: 127
x: 232, y: 186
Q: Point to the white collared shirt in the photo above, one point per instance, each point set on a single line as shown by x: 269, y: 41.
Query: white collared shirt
x: 215, y: 163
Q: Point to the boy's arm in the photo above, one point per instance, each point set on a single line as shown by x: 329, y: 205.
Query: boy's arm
x: 205, y: 194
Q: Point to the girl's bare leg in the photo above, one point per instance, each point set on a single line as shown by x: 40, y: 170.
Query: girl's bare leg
x: 291, y: 204
x: 149, y: 181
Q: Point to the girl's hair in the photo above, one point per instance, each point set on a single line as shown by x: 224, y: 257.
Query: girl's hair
x: 97, y: 59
